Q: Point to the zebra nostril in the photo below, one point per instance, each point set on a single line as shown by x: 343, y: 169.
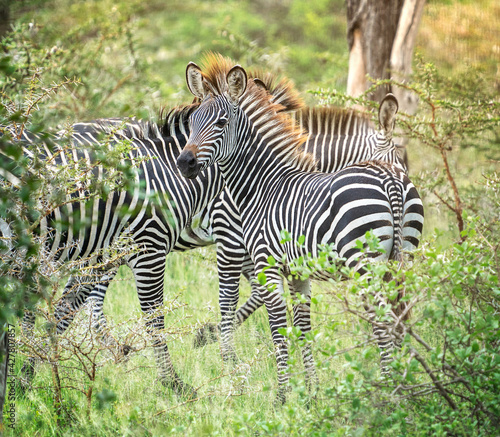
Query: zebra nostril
x: 191, y: 161
x: 188, y: 164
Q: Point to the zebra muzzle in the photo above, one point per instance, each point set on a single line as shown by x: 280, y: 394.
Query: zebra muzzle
x: 188, y: 164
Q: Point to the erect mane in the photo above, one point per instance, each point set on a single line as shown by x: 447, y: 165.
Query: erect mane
x: 267, y: 116
x: 333, y: 120
x: 176, y: 118
x: 281, y: 89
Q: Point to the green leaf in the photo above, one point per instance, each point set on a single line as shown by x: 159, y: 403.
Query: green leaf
x: 262, y: 278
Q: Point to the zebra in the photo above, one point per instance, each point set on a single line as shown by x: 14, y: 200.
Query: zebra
x: 337, y: 137
x: 197, y: 232
x: 258, y: 150
x: 153, y: 227
x: 173, y: 133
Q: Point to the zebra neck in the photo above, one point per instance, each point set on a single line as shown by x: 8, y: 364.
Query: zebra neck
x: 254, y: 170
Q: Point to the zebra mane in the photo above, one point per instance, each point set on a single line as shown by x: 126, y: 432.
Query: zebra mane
x: 176, y: 119
x: 281, y: 89
x: 267, y: 116
x: 333, y: 120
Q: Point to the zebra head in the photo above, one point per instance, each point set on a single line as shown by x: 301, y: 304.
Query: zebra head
x: 386, y: 149
x: 213, y: 124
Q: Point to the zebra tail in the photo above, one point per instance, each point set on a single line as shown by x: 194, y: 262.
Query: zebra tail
x: 396, y: 197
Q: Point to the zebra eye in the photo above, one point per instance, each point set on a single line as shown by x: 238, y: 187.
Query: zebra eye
x: 221, y: 122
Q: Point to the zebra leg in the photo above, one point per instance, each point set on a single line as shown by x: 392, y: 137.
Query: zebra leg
x: 302, y: 320
x: 210, y: 333
x: 255, y: 301
x: 95, y: 303
x: 386, y: 344
x: 229, y: 265
x: 382, y: 331
x: 76, y: 292
x: 74, y: 296
x: 149, y: 278
x: 276, y: 309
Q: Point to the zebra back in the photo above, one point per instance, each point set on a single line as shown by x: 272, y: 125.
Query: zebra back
x: 147, y: 141
x: 338, y: 137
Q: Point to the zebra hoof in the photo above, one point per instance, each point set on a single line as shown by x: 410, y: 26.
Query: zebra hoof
x: 183, y: 390
x: 280, y: 399
x: 207, y: 334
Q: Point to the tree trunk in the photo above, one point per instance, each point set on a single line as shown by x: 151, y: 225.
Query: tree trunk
x: 381, y: 36
x: 402, y: 55
x: 371, y: 26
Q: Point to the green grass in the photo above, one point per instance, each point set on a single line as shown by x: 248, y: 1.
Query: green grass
x: 227, y: 393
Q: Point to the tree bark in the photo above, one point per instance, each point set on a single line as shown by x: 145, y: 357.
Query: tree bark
x: 381, y: 35
x: 402, y: 54
x: 371, y: 25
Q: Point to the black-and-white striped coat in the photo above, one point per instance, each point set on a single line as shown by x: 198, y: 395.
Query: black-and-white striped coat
x: 275, y: 188
x: 151, y: 215
x: 336, y: 137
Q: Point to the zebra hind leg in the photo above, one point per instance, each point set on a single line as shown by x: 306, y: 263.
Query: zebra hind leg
x: 74, y: 295
x: 302, y: 320
x: 387, y: 336
x: 99, y: 324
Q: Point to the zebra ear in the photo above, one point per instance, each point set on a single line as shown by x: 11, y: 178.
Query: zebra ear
x: 387, y: 113
x: 194, y: 79
x: 260, y: 83
x: 237, y: 82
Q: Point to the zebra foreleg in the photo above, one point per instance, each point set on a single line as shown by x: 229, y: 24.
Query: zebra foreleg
x: 276, y: 309
x: 166, y: 371
x: 230, y: 262
x: 149, y: 280
x: 230, y: 266
x: 302, y: 320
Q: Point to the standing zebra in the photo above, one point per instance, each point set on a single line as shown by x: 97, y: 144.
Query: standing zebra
x: 197, y: 232
x: 161, y: 143
x: 153, y: 227
x: 275, y: 187
x: 337, y: 138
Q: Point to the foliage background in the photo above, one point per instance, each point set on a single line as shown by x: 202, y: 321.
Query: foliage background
x: 130, y: 58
